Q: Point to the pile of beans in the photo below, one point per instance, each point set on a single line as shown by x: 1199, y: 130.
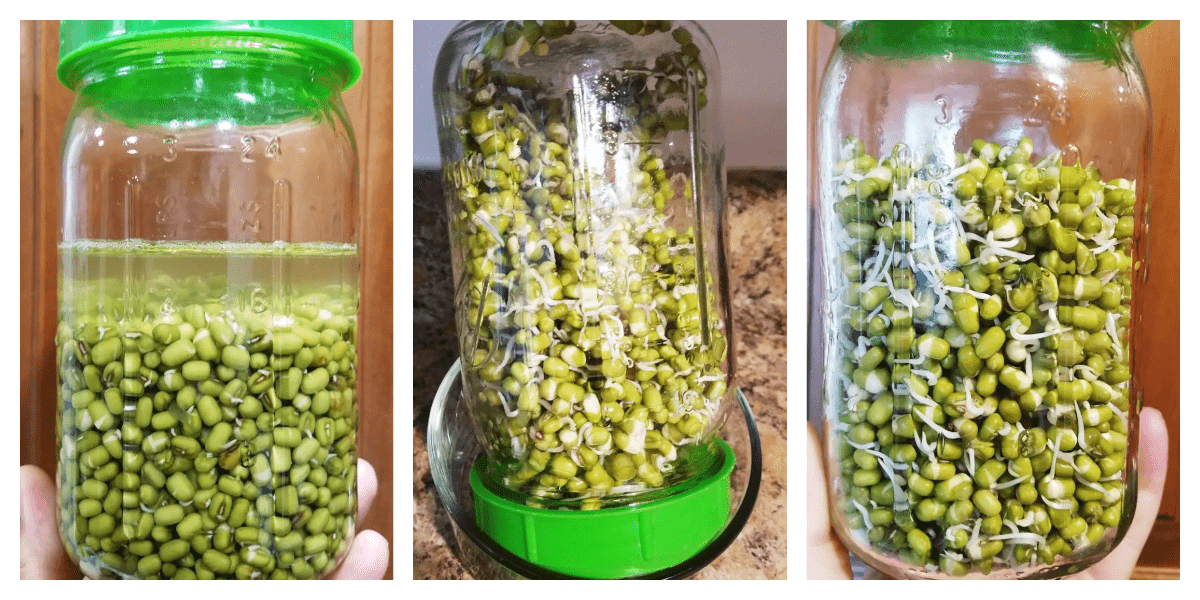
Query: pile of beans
x: 207, y: 442
x: 979, y: 392
x: 593, y: 353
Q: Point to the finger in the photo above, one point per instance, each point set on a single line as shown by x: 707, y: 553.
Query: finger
x: 827, y: 559
x: 368, y: 485
x: 42, y: 554
x: 1152, y: 474
x: 367, y: 558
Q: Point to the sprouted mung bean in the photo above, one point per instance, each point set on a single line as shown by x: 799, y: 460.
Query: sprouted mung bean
x: 594, y: 364
x: 207, y: 422
x: 980, y: 395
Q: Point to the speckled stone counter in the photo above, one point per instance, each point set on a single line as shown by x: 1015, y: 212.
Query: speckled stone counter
x: 758, y: 277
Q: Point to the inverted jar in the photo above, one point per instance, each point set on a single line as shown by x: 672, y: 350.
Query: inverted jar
x: 208, y: 300
x: 980, y: 228
x: 585, y: 186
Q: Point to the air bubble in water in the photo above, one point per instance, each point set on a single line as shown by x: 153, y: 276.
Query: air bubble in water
x: 610, y: 141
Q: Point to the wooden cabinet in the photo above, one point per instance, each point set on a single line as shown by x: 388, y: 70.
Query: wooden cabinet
x: 1158, y: 347
x: 44, y: 107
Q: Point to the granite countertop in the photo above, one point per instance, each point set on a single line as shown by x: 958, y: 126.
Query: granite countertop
x: 757, y: 253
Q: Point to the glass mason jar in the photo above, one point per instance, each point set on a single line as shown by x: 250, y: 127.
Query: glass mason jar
x: 208, y: 299
x: 981, y: 231
x: 584, y: 178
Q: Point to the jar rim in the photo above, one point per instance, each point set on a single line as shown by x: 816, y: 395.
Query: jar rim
x: 81, y: 42
x: 992, y: 41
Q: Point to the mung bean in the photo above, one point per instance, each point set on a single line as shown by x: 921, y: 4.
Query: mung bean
x: 165, y: 471
x: 1019, y: 363
x: 593, y: 345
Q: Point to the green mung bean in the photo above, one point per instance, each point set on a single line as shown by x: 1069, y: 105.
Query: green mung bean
x: 1006, y: 353
x: 590, y: 321
x: 168, y: 431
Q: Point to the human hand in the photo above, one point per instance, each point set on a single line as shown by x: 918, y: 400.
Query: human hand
x: 828, y: 558
x: 43, y: 556
x: 1152, y: 474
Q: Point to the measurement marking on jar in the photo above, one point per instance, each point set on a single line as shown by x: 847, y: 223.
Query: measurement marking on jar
x: 172, y: 152
x: 247, y: 148
x: 943, y: 116
x: 164, y: 204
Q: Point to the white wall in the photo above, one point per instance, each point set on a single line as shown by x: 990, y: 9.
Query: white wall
x: 753, y: 56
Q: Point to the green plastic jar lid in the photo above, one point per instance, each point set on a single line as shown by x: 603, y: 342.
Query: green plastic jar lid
x: 81, y: 40
x: 993, y: 41
x: 615, y: 542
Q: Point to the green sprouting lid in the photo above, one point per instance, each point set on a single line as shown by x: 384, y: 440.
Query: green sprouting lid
x: 993, y: 41
x: 615, y: 542
x: 333, y: 41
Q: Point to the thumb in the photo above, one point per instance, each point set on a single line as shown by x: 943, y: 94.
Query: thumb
x: 1152, y: 475
x: 42, y: 555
